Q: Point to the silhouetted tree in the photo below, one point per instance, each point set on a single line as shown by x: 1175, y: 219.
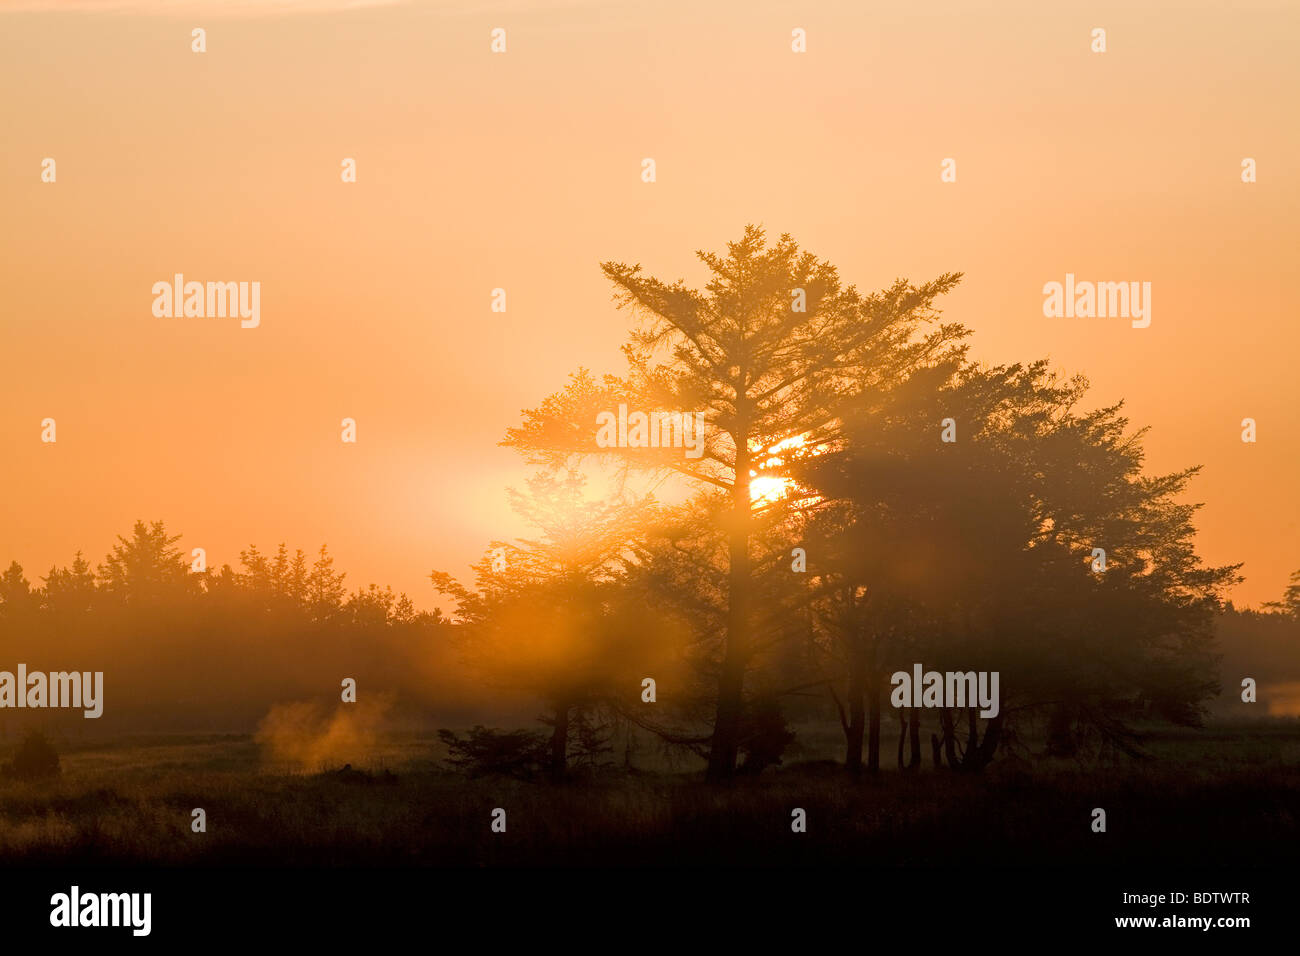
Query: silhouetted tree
x: 145, y: 569
x: 1290, y: 602
x: 548, y: 616
x: 16, y: 597
x: 70, y: 591
x: 977, y: 555
x: 324, y: 588
x: 682, y: 570
x: 764, y: 373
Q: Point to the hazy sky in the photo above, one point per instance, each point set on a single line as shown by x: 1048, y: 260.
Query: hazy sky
x: 522, y: 171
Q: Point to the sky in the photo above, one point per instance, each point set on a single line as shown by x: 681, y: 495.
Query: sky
x: 522, y: 171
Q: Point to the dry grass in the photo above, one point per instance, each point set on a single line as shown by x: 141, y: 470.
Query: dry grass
x: 1228, y: 795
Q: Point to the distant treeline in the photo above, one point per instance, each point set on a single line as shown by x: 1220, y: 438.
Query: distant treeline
x: 215, y: 650
x: 1263, y: 645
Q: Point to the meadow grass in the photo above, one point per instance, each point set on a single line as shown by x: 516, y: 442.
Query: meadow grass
x: 1225, y: 795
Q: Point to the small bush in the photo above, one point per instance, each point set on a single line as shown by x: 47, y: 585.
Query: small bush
x: 35, y: 758
x: 483, y: 751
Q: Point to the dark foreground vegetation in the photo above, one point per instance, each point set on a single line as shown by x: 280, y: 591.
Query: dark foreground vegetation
x: 1225, y: 795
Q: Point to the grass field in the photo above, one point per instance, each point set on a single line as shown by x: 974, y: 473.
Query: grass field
x: 1225, y: 795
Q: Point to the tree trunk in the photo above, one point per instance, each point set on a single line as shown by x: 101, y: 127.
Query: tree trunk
x: 857, y: 715
x: 971, y: 757
x: 949, y: 738
x: 873, y: 733
x: 731, y: 682
x: 560, y: 743
x: 989, y: 745
x: 914, y: 728
x: 1061, y: 740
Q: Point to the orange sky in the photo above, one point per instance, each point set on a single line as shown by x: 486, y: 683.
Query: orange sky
x: 522, y: 171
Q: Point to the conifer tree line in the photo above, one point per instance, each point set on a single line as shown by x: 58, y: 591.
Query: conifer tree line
x: 185, y: 650
x: 146, y: 572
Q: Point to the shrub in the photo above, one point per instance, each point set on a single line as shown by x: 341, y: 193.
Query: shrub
x: 35, y: 758
x: 484, y: 750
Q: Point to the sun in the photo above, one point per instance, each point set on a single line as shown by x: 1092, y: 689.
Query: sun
x: 769, y: 488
